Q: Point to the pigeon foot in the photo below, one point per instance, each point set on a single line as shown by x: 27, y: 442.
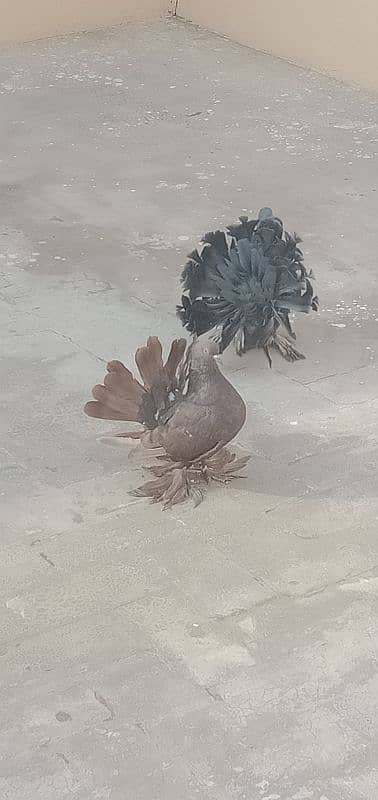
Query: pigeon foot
x: 176, y: 482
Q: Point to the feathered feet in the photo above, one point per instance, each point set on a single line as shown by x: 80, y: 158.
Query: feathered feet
x: 176, y: 482
x: 286, y: 348
x: 245, y: 340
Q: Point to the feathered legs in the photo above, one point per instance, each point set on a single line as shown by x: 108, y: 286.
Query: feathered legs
x: 286, y: 348
x: 175, y: 481
x: 264, y: 338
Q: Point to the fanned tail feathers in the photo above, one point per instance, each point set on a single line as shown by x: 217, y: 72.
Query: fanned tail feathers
x: 119, y: 397
x: 123, y: 397
x: 245, y: 283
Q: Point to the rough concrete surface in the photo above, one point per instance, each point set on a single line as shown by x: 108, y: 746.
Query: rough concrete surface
x: 226, y: 653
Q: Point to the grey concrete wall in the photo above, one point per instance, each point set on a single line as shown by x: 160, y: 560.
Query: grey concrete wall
x: 25, y: 20
x: 336, y: 36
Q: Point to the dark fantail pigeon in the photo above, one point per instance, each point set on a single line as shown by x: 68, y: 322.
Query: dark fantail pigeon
x: 244, y: 284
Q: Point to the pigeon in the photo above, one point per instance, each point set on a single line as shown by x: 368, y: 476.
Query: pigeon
x: 244, y: 284
x: 188, y: 412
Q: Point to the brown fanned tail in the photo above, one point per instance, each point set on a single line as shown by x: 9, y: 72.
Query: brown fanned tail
x: 122, y: 397
x: 160, y: 379
x: 149, y: 360
x: 176, y: 355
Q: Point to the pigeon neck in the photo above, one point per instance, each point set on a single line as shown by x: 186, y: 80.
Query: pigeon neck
x: 202, y: 371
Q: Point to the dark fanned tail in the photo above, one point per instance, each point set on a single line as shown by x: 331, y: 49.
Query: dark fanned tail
x: 244, y: 284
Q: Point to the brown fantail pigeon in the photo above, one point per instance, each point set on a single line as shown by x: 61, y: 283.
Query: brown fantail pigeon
x: 189, y: 412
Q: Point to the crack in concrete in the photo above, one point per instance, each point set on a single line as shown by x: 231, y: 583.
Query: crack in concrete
x: 104, y: 702
x: 76, y: 344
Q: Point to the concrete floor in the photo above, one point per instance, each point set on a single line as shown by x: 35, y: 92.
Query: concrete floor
x: 226, y: 653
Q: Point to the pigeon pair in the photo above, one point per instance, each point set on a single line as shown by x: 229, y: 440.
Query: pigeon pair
x: 241, y: 287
